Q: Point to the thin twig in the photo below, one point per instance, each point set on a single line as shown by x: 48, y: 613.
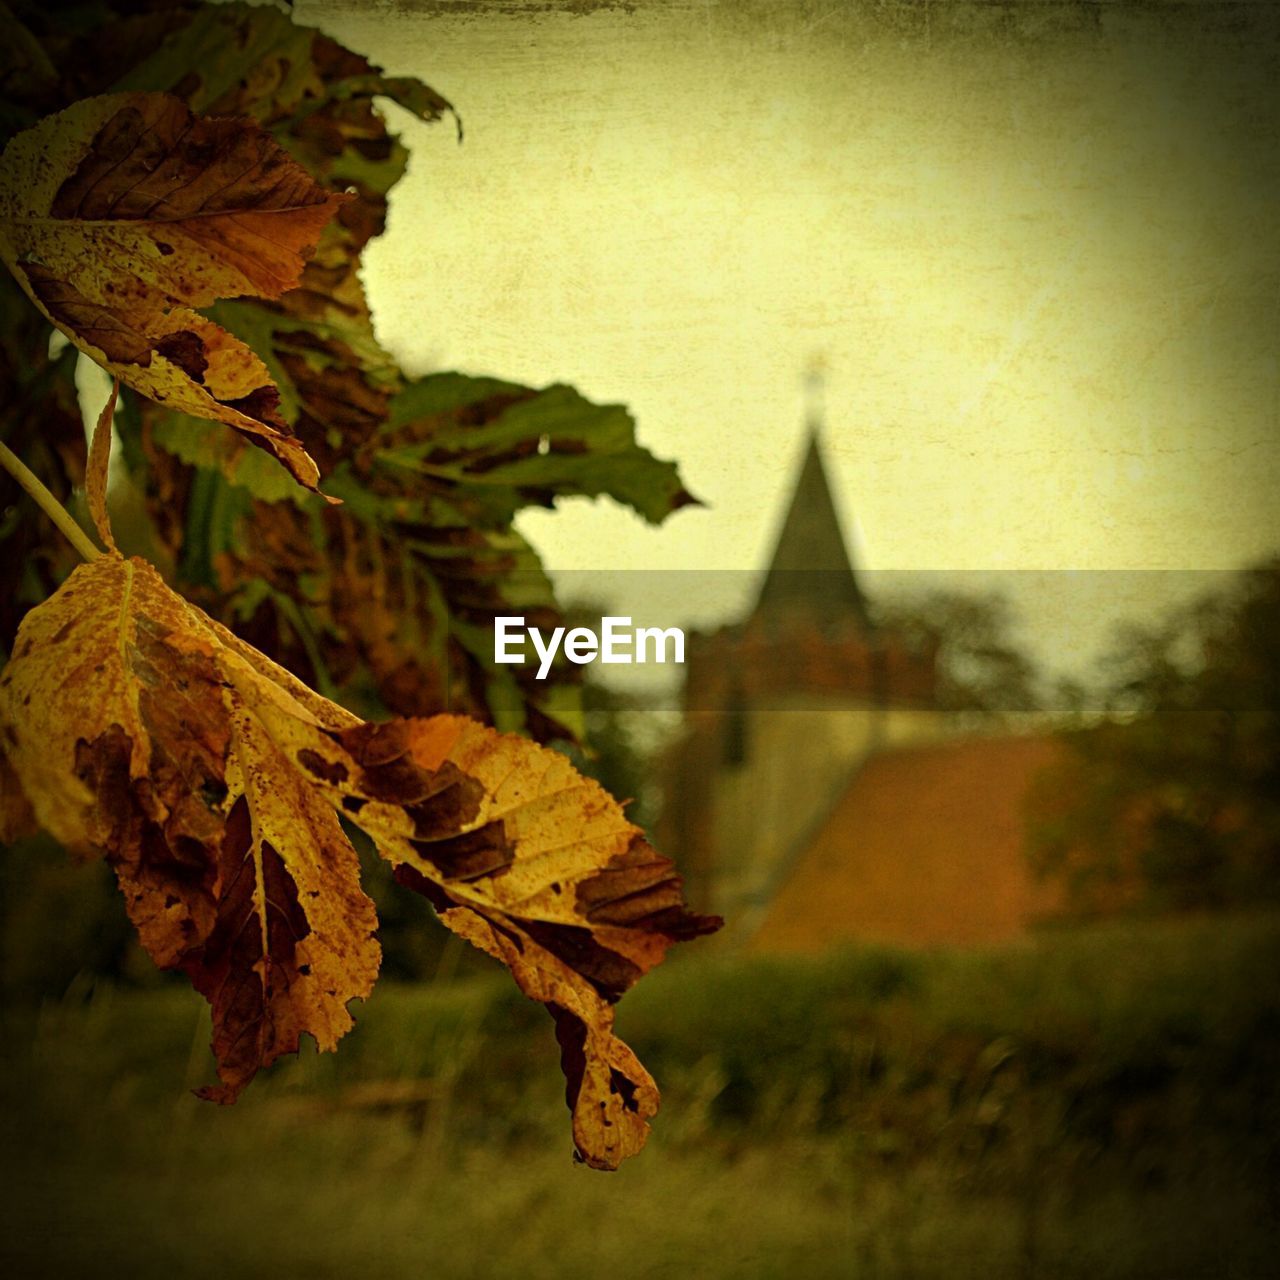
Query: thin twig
x: 47, y: 502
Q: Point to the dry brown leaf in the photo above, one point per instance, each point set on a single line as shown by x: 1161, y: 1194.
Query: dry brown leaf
x: 210, y: 777
x: 95, y: 475
x: 122, y: 212
x: 536, y: 865
x: 134, y: 731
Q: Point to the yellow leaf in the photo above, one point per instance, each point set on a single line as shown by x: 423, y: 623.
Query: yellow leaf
x: 210, y: 777
x: 538, y: 866
x: 123, y: 212
x: 130, y: 738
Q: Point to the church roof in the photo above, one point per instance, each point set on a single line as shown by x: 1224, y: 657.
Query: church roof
x: 811, y: 572
x: 927, y: 846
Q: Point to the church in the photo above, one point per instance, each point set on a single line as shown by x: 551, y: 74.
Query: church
x: 819, y: 794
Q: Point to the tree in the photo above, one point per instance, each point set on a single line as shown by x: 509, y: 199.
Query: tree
x: 981, y: 669
x: 1173, y: 799
x: 297, y: 540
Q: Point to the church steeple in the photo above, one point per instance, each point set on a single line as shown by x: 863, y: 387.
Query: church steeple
x: 810, y: 573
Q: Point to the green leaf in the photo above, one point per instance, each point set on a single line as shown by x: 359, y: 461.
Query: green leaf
x: 504, y: 447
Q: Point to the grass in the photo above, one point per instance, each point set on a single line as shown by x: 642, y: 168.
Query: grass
x: 1103, y: 1103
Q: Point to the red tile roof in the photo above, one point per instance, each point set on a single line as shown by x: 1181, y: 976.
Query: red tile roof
x: 926, y: 847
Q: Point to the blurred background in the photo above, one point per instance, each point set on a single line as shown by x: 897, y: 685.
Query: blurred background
x: 960, y: 318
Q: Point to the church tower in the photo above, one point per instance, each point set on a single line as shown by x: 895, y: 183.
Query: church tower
x: 810, y: 571
x: 783, y: 707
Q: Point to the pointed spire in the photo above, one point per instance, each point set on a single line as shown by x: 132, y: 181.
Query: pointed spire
x: 810, y: 572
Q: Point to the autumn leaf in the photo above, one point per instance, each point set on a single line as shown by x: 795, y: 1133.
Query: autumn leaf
x: 121, y: 213
x: 536, y: 865
x: 130, y: 735
x: 211, y: 780
x: 97, y: 468
x: 317, y: 99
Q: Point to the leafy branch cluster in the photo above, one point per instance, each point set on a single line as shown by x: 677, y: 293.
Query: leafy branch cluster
x: 316, y: 539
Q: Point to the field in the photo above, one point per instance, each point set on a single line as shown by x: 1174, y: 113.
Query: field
x: 1102, y: 1103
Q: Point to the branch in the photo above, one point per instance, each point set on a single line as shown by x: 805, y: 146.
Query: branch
x: 47, y: 502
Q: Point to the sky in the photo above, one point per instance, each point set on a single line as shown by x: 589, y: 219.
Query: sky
x: 1037, y: 255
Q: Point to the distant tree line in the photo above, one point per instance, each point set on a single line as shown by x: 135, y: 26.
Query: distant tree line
x: 1171, y: 800
x: 982, y: 670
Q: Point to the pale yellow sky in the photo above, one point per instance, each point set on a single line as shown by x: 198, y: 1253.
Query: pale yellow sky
x: 1043, y: 271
